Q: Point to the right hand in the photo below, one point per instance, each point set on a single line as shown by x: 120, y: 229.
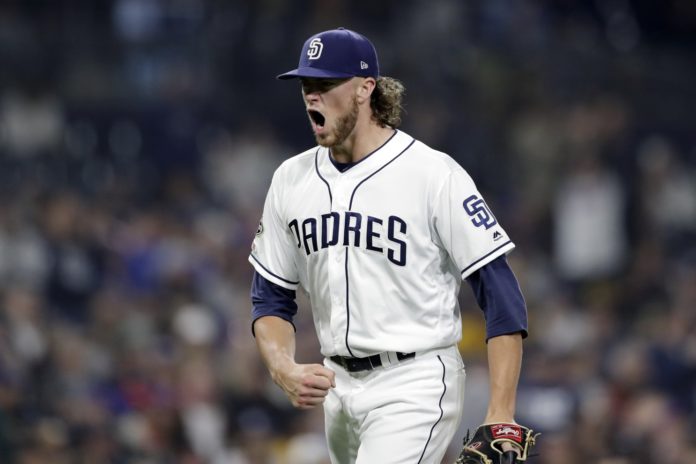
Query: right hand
x: 305, y: 384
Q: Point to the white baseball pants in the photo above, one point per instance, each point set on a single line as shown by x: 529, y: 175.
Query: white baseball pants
x: 406, y: 413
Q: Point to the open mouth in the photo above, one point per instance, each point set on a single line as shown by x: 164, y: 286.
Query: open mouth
x: 317, y: 118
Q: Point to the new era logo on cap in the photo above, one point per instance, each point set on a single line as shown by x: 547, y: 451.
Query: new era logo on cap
x: 337, y: 53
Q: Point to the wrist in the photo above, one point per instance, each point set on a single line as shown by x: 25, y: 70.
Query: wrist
x: 498, y: 418
x: 280, y: 367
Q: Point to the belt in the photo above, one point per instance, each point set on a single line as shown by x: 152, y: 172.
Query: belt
x: 367, y: 364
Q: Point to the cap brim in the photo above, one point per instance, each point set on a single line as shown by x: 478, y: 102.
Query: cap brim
x: 312, y: 72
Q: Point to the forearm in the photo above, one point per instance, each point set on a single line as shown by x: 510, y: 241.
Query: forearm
x: 504, y: 365
x: 305, y: 384
x: 275, y: 339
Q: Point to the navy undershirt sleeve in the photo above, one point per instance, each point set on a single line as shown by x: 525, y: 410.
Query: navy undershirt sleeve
x: 269, y: 299
x: 500, y: 298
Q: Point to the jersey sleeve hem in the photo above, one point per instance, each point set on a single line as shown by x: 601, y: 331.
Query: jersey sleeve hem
x: 522, y: 331
x: 268, y: 275
x: 487, y: 258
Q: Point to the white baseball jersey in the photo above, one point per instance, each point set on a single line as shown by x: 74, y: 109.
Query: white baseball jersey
x: 381, y: 248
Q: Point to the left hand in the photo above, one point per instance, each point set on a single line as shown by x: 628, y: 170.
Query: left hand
x: 500, y: 443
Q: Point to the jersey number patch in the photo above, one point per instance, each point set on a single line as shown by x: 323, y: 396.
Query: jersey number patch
x: 479, y: 212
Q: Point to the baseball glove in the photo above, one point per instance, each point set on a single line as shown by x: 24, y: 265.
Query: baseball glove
x: 485, y: 446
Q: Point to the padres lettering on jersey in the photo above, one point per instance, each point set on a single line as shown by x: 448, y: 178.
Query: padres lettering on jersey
x: 349, y: 229
x: 381, y: 258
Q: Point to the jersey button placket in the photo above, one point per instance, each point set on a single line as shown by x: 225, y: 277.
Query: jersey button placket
x: 337, y: 288
x: 337, y: 270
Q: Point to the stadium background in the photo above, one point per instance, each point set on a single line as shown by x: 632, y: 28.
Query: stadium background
x: 137, y: 140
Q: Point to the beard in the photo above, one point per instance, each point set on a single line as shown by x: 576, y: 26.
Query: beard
x: 344, y: 126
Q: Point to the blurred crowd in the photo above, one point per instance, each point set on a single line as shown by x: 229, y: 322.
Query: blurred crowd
x: 137, y: 141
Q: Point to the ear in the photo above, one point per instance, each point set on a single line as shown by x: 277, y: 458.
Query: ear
x: 365, y: 88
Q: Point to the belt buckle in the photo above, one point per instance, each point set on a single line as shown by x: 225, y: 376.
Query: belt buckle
x: 404, y: 356
x: 358, y: 364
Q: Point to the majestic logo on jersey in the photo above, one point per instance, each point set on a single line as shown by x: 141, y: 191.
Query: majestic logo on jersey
x: 349, y: 228
x: 259, y: 230
x: 480, y: 215
x: 315, y: 49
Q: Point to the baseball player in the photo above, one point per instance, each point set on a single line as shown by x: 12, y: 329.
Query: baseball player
x: 380, y: 230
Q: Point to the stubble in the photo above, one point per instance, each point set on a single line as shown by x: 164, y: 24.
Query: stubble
x: 344, y: 127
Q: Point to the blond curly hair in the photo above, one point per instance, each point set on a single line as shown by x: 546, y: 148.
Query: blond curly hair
x: 386, y: 102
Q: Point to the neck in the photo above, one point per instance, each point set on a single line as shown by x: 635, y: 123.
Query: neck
x: 361, y: 142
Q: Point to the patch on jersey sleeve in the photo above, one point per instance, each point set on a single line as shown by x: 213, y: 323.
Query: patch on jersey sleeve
x: 259, y: 230
x: 478, y: 211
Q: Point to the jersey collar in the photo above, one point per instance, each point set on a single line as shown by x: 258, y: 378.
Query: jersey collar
x: 366, y: 166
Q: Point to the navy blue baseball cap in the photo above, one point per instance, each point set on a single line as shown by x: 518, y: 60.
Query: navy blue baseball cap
x: 335, y: 54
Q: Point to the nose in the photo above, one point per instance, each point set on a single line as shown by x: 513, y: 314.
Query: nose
x: 311, y: 97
